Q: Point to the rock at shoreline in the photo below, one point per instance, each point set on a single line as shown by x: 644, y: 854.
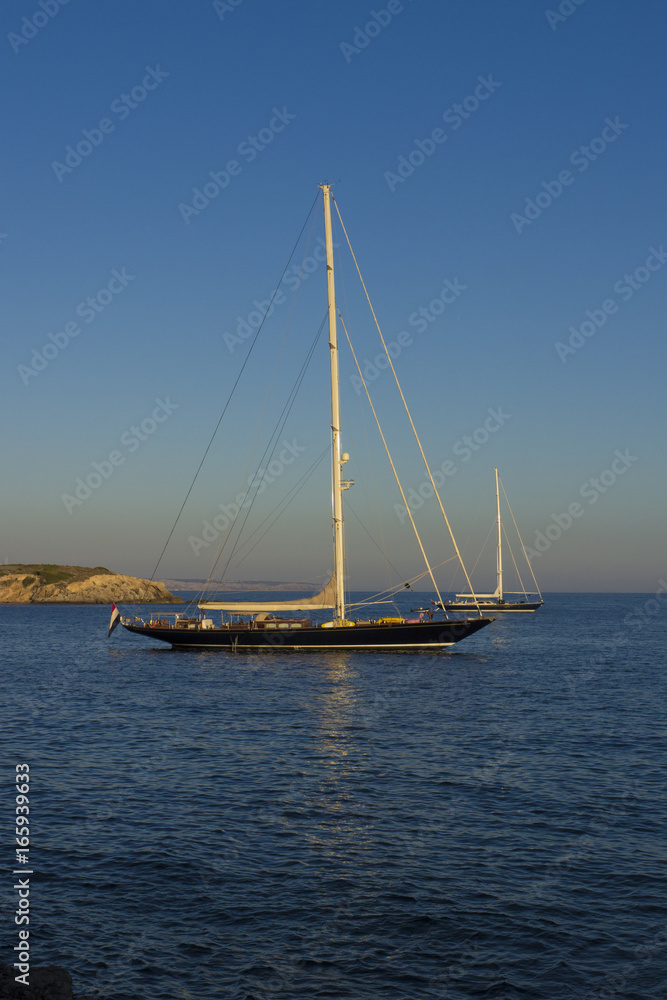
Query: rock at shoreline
x: 39, y: 583
x: 48, y: 983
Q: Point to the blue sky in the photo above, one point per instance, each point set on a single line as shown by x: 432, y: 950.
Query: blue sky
x: 513, y: 150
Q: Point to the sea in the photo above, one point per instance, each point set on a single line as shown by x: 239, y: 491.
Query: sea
x: 487, y: 822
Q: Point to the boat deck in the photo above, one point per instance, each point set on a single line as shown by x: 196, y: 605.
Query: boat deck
x: 302, y: 634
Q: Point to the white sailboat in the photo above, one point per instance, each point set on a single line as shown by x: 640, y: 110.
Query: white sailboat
x: 274, y: 625
x: 498, y: 601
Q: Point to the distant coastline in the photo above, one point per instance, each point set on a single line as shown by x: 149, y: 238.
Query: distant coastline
x: 239, y: 586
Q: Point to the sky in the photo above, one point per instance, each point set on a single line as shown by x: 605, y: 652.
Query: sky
x: 499, y: 169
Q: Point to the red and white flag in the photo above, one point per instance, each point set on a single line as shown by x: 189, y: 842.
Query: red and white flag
x: 115, y: 618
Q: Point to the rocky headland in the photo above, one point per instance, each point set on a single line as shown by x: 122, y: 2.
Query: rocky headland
x: 41, y: 583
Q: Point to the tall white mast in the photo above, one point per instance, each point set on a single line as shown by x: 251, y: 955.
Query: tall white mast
x: 338, y: 458
x: 499, y: 556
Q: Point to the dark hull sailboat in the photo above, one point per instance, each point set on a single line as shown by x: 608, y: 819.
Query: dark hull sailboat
x: 296, y: 634
x: 263, y: 625
x: 492, y: 607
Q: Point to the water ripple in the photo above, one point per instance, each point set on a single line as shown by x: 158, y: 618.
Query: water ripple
x: 487, y: 823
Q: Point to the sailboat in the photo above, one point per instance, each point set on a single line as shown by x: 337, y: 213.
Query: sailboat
x: 497, y: 601
x: 290, y: 624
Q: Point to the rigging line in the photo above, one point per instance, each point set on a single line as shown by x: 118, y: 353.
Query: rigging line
x: 516, y: 568
x: 393, y: 467
x: 368, y: 460
x: 414, y: 429
x: 284, y: 503
x: 280, y: 424
x: 520, y: 540
x: 466, y: 544
x: 397, y: 588
x: 287, y: 499
x: 482, y: 548
x: 340, y: 270
x: 269, y: 392
x: 348, y: 506
x: 278, y: 428
x: 270, y: 449
x: 229, y: 399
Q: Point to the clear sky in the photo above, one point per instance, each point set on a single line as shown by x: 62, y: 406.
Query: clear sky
x: 500, y: 170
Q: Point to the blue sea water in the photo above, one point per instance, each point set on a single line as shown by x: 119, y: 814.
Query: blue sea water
x: 484, y: 823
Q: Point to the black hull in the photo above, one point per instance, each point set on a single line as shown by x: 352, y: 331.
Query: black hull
x: 431, y: 636
x: 487, y: 607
